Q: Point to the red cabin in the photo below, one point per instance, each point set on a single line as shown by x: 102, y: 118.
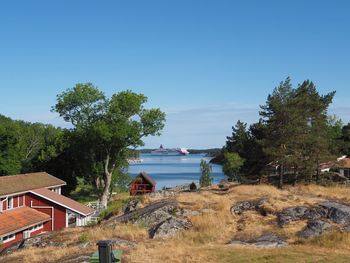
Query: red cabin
x: 142, y: 184
x: 31, y: 204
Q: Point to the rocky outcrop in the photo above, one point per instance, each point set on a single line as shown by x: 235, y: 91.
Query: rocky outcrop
x: 169, y: 227
x: 239, y: 207
x: 160, y: 219
x: 314, y: 228
x: 316, y: 216
x: 336, y: 212
x: 131, y: 206
x: 42, y: 240
x: 299, y: 213
x: 264, y: 241
x: 149, y: 215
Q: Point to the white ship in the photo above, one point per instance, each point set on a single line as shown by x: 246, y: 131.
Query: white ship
x: 175, y: 151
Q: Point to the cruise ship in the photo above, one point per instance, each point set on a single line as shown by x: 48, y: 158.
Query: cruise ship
x: 175, y: 151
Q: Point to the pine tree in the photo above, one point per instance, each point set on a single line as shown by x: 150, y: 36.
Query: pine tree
x: 277, y: 115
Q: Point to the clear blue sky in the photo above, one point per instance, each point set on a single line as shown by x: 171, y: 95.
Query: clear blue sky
x: 205, y: 63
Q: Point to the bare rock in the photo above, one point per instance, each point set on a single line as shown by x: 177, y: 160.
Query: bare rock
x: 169, y: 227
x: 123, y: 242
x: 147, y: 216
x: 264, y: 241
x: 338, y: 213
x: 131, y: 206
x: 299, y: 213
x: 240, y: 207
x: 314, y: 228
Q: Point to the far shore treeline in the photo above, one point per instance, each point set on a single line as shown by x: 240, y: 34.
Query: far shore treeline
x: 294, y: 132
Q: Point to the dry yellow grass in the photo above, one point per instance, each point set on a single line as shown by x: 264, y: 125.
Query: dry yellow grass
x: 214, y: 227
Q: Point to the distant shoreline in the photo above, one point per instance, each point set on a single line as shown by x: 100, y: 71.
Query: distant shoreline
x: 209, y: 152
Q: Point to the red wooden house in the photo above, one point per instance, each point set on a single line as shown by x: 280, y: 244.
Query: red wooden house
x: 31, y: 204
x: 142, y: 184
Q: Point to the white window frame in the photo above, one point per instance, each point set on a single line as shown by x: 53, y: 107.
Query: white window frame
x: 35, y: 228
x: 9, y: 238
x: 10, y: 203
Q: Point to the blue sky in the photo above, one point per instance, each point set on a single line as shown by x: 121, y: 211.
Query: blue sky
x: 205, y: 63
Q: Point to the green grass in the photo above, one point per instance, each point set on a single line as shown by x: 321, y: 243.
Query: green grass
x: 291, y: 254
x: 115, y: 207
x: 83, y: 193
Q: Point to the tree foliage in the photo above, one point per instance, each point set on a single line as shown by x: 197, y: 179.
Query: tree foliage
x: 232, y: 165
x: 106, y: 128
x: 295, y: 134
x: 206, y: 178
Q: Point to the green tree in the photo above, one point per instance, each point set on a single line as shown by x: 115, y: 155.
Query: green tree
x: 313, y: 140
x: 107, y: 128
x: 345, y: 140
x: 238, y: 140
x: 278, y: 116
x: 231, y: 167
x: 297, y: 131
x: 206, y: 179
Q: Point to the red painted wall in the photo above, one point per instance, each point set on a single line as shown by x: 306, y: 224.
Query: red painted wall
x: 59, y: 212
x: 17, y: 201
x: 19, y: 237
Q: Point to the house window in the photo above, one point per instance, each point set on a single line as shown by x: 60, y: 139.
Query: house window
x: 8, y: 238
x: 347, y: 173
x: 10, y: 203
x: 35, y: 228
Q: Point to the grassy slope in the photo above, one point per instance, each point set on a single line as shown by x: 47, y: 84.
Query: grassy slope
x: 206, y: 241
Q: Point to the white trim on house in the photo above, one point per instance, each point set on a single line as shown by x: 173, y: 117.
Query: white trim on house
x: 9, y: 237
x: 10, y: 203
x: 35, y: 228
x: 67, y: 217
x: 29, y: 190
x: 53, y: 201
x: 24, y: 228
x: 52, y: 213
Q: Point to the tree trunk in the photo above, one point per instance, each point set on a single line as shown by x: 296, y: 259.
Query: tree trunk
x: 295, y: 176
x: 107, y: 183
x: 318, y: 172
x: 280, y: 183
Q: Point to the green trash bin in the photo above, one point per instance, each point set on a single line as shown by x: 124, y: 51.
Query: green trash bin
x: 117, y: 255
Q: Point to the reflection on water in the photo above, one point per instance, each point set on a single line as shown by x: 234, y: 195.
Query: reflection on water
x: 174, y: 170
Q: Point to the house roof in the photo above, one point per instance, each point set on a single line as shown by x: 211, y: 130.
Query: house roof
x: 146, y: 177
x: 18, y: 219
x: 64, y: 201
x: 24, y: 182
x: 344, y: 163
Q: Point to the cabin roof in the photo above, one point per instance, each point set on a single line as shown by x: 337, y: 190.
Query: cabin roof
x: 146, y: 177
x: 344, y: 163
x: 18, y: 219
x: 63, y: 201
x: 25, y: 182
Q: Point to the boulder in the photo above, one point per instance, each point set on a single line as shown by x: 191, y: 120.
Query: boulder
x: 299, y: 213
x: 239, y: 207
x: 147, y: 216
x: 169, y: 227
x: 314, y: 228
x: 338, y: 213
x: 264, y: 241
x: 131, y: 206
x: 156, y: 216
x: 291, y: 214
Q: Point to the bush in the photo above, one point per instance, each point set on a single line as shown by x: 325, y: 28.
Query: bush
x: 83, y: 238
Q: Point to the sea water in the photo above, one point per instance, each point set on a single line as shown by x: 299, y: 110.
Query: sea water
x: 169, y: 171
